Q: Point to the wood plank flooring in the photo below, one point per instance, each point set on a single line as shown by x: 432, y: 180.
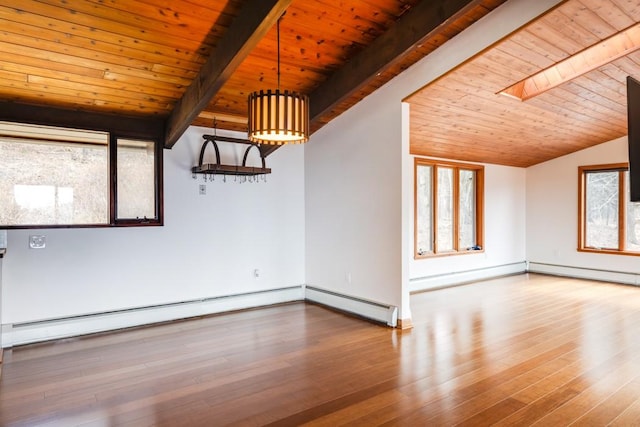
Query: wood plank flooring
x: 521, y: 350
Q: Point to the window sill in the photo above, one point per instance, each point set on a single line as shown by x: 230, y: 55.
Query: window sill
x: 608, y: 251
x: 447, y: 254
x: 120, y: 223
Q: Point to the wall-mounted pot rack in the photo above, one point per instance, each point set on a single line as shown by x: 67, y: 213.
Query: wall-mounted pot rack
x: 220, y: 169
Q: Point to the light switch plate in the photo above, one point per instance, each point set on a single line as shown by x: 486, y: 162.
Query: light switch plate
x: 37, y: 242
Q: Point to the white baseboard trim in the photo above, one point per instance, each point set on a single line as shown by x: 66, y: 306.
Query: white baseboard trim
x: 384, y: 313
x: 456, y: 278
x: 585, y: 273
x: 32, y: 332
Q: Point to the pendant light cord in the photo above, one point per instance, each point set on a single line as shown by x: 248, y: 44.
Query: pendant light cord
x: 278, y: 36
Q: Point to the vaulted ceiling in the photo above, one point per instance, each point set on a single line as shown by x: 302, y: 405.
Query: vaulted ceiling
x: 195, y: 61
x: 588, y: 48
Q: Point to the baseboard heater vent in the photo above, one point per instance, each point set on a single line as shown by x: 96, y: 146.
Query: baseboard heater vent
x: 628, y: 278
x: 384, y: 313
x: 50, y: 329
x: 438, y: 281
x: 72, y: 326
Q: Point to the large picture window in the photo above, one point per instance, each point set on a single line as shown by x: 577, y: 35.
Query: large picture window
x: 51, y: 176
x: 608, y: 221
x: 448, y: 208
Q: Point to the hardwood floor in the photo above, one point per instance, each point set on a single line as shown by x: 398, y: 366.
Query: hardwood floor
x: 518, y: 351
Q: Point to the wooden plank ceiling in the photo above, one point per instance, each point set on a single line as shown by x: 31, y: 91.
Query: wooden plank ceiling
x: 139, y: 58
x: 463, y: 116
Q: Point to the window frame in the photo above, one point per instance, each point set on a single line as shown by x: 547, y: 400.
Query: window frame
x: 113, y: 184
x: 621, y: 168
x: 479, y: 206
x: 116, y: 128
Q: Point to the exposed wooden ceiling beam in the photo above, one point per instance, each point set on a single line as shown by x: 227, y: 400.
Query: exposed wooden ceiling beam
x: 255, y: 19
x: 589, y: 59
x: 409, y: 31
x: 232, y: 118
x: 134, y: 127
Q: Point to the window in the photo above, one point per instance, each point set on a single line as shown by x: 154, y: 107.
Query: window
x: 608, y: 221
x: 51, y: 176
x: 136, y: 173
x: 448, y: 208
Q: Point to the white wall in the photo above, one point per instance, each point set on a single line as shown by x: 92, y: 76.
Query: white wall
x: 552, y: 210
x: 504, y: 228
x: 209, y: 245
x: 1, y: 307
x: 353, y: 203
x: 358, y: 179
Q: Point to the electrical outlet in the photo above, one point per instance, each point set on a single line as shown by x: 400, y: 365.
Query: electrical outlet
x: 37, y: 242
x: 203, y: 189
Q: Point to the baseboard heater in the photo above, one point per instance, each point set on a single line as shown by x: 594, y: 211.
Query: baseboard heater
x: 72, y: 326
x: 438, y: 281
x: 628, y: 278
x: 50, y: 329
x: 383, y: 313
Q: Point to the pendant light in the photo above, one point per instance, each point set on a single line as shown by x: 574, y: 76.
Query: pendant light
x: 278, y: 117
